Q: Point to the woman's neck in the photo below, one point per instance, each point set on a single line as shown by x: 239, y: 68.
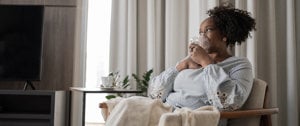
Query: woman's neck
x: 219, y: 57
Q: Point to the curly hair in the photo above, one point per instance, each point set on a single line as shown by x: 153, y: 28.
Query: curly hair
x: 233, y: 23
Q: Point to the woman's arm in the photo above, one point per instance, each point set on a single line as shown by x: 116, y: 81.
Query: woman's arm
x: 161, y: 85
x: 228, y: 91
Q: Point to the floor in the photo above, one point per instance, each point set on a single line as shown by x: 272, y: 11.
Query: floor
x: 94, y: 124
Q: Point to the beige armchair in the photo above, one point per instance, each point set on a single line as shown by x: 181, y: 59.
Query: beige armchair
x: 253, y: 113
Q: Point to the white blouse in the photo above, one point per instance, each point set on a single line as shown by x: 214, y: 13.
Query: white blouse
x: 225, y: 85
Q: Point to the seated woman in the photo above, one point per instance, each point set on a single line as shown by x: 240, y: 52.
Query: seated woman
x: 209, y: 75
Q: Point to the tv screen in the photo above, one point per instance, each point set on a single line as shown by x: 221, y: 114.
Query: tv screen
x: 21, y: 42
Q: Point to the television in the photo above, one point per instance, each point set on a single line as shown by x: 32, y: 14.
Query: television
x: 21, y: 32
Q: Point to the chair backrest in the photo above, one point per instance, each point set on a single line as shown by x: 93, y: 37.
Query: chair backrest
x: 255, y: 100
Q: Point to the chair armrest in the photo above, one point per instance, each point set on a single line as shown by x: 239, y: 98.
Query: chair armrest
x: 234, y: 114
x: 103, y: 105
x: 248, y: 113
x: 104, y: 110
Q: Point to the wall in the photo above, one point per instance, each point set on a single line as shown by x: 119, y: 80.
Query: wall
x: 59, y: 37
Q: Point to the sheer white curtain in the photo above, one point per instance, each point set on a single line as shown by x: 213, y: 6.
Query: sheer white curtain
x: 292, y: 89
x: 154, y: 34
x: 148, y: 34
x: 123, y: 46
x: 272, y: 51
x: 183, y: 20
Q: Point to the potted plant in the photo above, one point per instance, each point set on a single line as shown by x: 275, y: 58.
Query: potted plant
x: 117, y: 84
x: 142, y: 84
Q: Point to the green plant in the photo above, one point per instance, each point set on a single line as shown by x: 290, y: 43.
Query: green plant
x: 110, y: 97
x: 115, y: 76
x: 125, y: 82
x: 142, y: 84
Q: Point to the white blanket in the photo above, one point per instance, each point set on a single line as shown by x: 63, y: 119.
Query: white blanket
x: 143, y: 111
x: 203, y: 116
x: 136, y: 111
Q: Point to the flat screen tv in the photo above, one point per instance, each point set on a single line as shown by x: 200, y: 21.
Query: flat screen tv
x: 21, y: 29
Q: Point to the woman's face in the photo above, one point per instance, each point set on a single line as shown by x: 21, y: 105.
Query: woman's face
x: 210, y: 38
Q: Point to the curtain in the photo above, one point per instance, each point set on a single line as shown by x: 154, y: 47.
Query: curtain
x: 272, y: 51
x: 154, y: 34
x: 123, y: 40
x: 147, y: 34
x: 292, y: 100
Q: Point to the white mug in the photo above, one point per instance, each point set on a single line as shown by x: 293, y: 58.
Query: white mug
x: 107, y: 82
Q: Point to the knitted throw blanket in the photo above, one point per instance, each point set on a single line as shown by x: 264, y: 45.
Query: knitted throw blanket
x: 143, y: 111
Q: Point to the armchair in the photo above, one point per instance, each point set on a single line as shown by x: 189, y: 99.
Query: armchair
x: 253, y: 113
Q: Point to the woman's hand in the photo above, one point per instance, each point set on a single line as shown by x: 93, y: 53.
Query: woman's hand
x: 187, y: 63
x: 199, y: 55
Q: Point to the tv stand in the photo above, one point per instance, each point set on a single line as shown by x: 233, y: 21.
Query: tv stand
x: 28, y: 83
x: 33, y: 108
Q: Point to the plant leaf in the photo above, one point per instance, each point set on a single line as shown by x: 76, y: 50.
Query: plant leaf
x: 110, y: 97
x: 126, y: 80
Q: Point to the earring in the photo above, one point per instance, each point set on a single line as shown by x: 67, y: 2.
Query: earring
x: 224, y: 39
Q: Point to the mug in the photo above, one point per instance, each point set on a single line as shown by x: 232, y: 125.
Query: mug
x: 107, y: 82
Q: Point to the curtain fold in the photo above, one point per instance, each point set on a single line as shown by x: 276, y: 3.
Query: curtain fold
x: 297, y: 15
x: 123, y: 40
x: 292, y: 100
x: 176, y: 31
x: 156, y: 35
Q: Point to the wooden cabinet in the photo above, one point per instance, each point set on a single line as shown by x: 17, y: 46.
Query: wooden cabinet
x: 33, y: 108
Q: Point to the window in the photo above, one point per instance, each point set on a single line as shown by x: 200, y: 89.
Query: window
x: 98, y: 36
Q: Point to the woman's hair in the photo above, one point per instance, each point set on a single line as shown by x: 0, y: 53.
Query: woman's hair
x: 233, y: 23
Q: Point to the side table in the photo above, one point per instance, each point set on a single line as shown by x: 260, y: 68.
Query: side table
x: 82, y: 92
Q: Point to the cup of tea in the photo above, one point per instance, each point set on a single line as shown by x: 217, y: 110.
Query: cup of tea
x: 107, y: 82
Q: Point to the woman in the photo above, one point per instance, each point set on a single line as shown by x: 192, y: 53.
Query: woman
x: 209, y: 75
